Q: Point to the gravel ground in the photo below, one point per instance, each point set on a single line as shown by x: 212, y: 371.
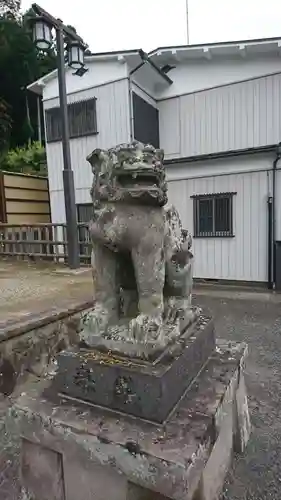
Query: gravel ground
x: 256, y: 475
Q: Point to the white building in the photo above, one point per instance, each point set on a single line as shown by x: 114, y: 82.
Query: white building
x: 216, y: 111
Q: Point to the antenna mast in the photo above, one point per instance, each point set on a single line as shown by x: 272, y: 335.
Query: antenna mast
x: 187, y: 24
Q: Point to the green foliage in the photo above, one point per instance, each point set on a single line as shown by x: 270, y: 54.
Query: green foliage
x: 20, y: 64
x: 30, y: 159
x: 10, y: 8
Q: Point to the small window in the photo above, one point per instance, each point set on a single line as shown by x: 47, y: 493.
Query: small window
x: 82, y: 118
x: 213, y: 215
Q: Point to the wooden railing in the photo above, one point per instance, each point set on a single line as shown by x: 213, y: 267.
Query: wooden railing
x: 42, y: 241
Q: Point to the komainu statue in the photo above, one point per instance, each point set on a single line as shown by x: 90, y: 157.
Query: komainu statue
x: 142, y: 262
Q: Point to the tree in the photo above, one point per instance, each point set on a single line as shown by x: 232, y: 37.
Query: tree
x: 20, y: 64
x: 10, y: 8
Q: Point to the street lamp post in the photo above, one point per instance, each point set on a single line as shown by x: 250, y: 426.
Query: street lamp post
x: 43, y: 24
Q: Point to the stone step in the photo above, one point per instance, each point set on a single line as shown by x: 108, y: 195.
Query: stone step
x: 77, y: 452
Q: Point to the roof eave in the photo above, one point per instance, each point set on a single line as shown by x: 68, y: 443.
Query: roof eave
x: 257, y: 41
x: 104, y: 55
x: 41, y: 82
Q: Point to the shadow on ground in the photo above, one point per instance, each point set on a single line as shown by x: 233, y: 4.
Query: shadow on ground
x: 257, y: 474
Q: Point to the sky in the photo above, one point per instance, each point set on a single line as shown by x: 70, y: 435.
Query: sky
x: 107, y: 25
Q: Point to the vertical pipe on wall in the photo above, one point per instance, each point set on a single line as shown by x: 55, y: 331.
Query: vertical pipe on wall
x: 131, y: 111
x: 274, y: 170
x: 270, y: 244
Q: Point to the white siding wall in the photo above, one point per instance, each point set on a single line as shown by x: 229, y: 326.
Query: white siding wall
x: 193, y: 75
x: 236, y: 116
x: 243, y: 257
x: 113, y: 124
x: 99, y: 72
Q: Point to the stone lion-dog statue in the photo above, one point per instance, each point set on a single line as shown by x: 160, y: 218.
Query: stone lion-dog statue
x: 141, y: 257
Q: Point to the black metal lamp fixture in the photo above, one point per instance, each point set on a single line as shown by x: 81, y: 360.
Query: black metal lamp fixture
x: 75, y: 54
x: 42, y: 33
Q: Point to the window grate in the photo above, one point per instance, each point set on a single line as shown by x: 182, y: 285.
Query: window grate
x: 82, y: 119
x: 213, y: 215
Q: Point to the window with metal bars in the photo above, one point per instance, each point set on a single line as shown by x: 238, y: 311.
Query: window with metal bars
x: 82, y: 119
x: 213, y: 215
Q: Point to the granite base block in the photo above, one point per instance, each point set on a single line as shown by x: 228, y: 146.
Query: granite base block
x: 29, y: 344
x: 145, y: 389
x: 103, y: 455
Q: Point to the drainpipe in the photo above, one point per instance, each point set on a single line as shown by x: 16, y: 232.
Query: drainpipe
x: 273, y: 239
x: 270, y: 244
x: 131, y: 111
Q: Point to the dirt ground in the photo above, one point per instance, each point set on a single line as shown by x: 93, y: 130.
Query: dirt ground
x: 25, y: 287
x: 256, y: 320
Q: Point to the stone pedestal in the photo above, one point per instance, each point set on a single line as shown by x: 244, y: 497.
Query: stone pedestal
x: 146, y: 388
x: 83, y: 452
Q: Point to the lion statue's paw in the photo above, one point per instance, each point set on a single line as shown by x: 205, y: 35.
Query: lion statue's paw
x: 94, y: 323
x: 146, y: 329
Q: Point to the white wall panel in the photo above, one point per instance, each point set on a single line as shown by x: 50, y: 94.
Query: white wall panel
x: 57, y: 206
x: 206, y: 168
x: 57, y: 202
x: 243, y: 257
x: 238, y: 116
x: 113, y: 128
x: 99, y: 72
x: 169, y: 127
x: 193, y: 75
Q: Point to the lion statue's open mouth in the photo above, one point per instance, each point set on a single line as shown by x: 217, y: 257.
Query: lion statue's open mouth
x: 138, y: 179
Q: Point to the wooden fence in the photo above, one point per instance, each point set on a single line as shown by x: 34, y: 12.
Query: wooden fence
x: 24, y: 199
x: 42, y: 241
